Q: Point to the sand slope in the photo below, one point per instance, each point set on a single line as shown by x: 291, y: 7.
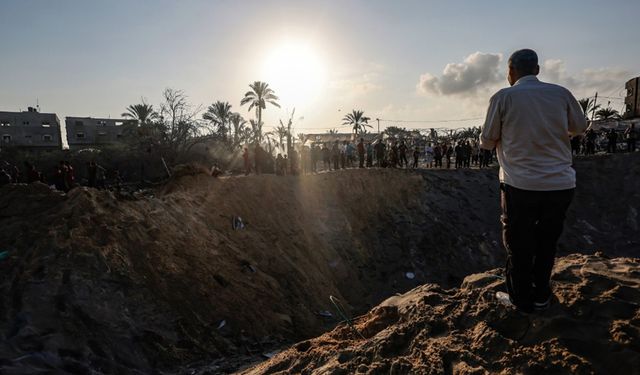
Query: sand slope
x: 592, y: 327
x: 96, y: 281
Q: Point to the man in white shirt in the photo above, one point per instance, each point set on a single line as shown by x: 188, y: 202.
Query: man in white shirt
x: 530, y: 125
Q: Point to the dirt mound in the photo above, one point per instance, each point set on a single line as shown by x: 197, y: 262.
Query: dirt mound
x: 103, y: 282
x: 592, y: 327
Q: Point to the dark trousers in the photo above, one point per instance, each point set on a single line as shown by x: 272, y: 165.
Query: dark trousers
x: 532, y: 222
x: 631, y: 145
x: 361, y: 160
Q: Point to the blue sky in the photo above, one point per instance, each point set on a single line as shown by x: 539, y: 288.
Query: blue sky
x: 91, y: 58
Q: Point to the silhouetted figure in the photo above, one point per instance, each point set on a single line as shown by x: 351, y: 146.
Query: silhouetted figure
x: 416, y: 157
x: 335, y: 155
x: 402, y: 152
x: 70, y: 175
x: 590, y: 136
x: 361, y: 150
x: 631, y: 137
x: 537, y: 178
x: 437, y: 156
x: 612, y: 138
x: 247, y: 162
x: 326, y: 157
x: 369, y: 155
x: 92, y: 173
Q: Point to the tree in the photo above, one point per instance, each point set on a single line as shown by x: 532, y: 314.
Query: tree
x: 257, y: 98
x: 143, y: 113
x: 357, y: 120
x: 239, y: 125
x: 281, y: 132
x: 588, y: 105
x: 332, y: 131
x: 178, y: 118
x: 607, y: 113
x: 219, y: 114
x: 396, y: 132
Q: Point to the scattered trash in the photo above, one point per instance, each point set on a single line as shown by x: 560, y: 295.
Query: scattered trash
x: 222, y: 324
x: 237, y: 223
x: 270, y: 354
x: 410, y: 275
x: 3, y: 254
x: 325, y: 313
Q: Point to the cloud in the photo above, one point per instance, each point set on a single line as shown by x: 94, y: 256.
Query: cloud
x: 478, y: 71
x: 606, y: 81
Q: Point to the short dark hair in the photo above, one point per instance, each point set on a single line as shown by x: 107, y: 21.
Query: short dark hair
x: 524, y: 61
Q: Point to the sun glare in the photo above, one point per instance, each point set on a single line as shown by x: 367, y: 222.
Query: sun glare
x: 296, y: 73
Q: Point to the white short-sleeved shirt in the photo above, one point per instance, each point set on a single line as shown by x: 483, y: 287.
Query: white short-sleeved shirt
x: 530, y: 125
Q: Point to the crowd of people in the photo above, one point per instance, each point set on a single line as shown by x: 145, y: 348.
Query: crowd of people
x: 63, y: 176
x: 608, y: 140
x: 380, y: 154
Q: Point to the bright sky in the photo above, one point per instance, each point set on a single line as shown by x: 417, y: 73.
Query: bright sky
x: 401, y: 60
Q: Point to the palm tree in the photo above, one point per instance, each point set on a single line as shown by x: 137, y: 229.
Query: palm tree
x: 256, y: 130
x: 219, y: 114
x: 282, y: 132
x: 357, y: 120
x: 588, y: 105
x: 607, y: 113
x: 143, y: 113
x: 238, y: 124
x: 258, y: 97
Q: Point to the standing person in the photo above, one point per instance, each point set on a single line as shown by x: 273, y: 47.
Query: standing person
x: 70, y: 175
x: 92, y: 173
x: 459, y: 155
x: 437, y: 156
x: 612, y: 137
x: 394, y: 154
x: 631, y: 136
x: 402, y: 150
x: 416, y: 156
x: 369, y: 155
x: 247, y: 163
x: 428, y: 153
x: 361, y: 153
x: 326, y: 157
x: 335, y: 155
x: 343, y: 155
x: 448, y: 155
x: 466, y: 154
x: 379, y: 149
x: 529, y: 124
x: 591, y: 137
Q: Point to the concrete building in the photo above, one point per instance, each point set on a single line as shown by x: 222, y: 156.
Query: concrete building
x: 84, y: 132
x: 30, y: 130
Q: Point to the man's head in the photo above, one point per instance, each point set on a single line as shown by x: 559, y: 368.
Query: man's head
x: 522, y: 63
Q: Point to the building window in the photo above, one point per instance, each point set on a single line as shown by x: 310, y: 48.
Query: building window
x: 118, y: 136
x: 79, y: 135
x: 119, y: 123
x: 28, y: 136
x: 25, y: 122
x: 46, y: 137
x: 102, y: 133
x: 6, y: 138
x: 46, y: 124
x: 5, y: 123
x: 79, y: 123
x: 102, y: 122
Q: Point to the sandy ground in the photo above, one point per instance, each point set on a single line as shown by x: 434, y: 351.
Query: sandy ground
x: 95, y: 281
x: 593, y: 327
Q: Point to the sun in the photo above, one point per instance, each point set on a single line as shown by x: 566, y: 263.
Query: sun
x: 296, y: 73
